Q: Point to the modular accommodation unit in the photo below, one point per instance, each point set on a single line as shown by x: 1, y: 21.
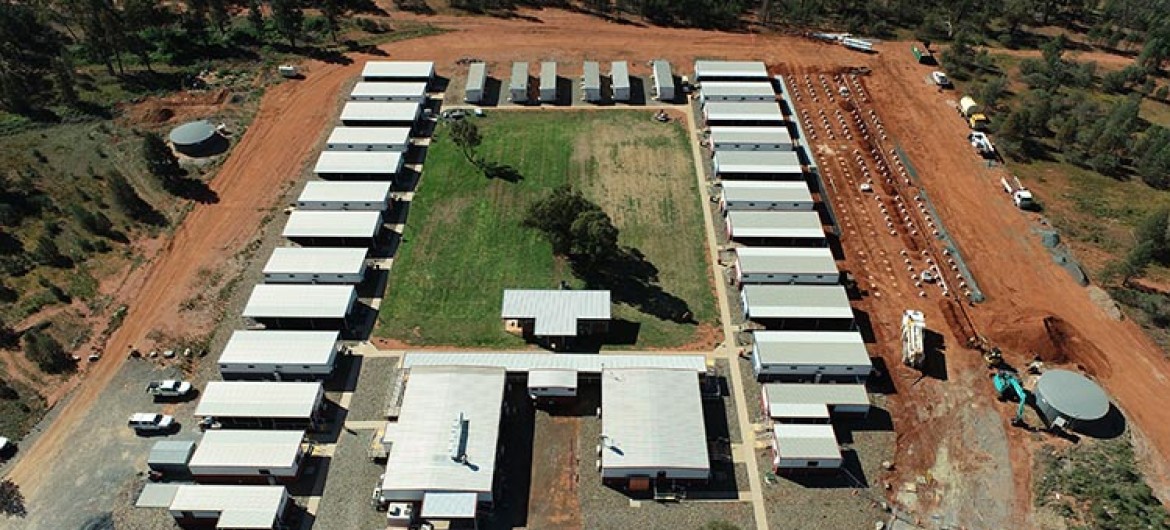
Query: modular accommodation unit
x: 776, y: 229
x: 761, y: 195
x: 380, y: 113
x: 751, y: 139
x: 296, y: 306
x: 548, y: 82
x: 652, y: 428
x: 333, y: 229
x: 663, y: 81
x: 555, y: 317
x: 518, y: 86
x: 248, y: 457
x: 266, y: 405
x: 839, y: 400
x: 774, y: 265
x: 409, y: 91
x: 358, y: 165
x: 358, y: 196
x: 279, y: 355
x: 619, y: 81
x: 798, y: 307
x: 736, y: 91
x: 476, y: 83
x: 758, y: 165
x: 707, y: 71
x: 343, y: 265
x: 743, y: 113
x: 398, y: 71
x: 230, y: 507
x: 817, y: 356
x: 545, y: 384
x: 591, y: 82
x: 368, y: 139
x: 585, y: 364
x: 170, y: 457
x: 803, y: 448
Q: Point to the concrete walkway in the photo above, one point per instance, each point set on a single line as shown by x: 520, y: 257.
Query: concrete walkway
x: 727, y: 349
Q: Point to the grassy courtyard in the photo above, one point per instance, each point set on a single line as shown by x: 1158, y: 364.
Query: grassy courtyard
x: 463, y: 243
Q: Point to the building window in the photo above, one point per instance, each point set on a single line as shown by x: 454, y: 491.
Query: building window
x: 251, y: 366
x: 814, y: 464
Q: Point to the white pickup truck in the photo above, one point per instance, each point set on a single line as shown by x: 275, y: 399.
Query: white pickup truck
x: 168, y: 388
x: 1021, y: 196
x: 151, y: 422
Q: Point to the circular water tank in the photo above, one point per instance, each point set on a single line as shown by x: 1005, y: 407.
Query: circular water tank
x: 1072, y: 396
x: 192, y: 135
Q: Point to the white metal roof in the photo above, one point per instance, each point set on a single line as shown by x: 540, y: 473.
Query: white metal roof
x: 591, y: 363
x: 652, y: 419
x: 812, y: 442
x: 265, y: 399
x: 519, y: 76
x: 326, y: 223
x: 476, y: 76
x: 280, y: 347
x: 737, y: 134
x: 399, y: 69
x: 427, y: 432
x: 345, y: 191
x: 548, y: 75
x: 620, y: 74
x: 170, y: 452
x: 814, y: 394
x: 370, y: 135
x: 663, y: 77
x: 394, y: 89
x: 300, y: 301
x: 591, y: 79
x: 765, y: 191
x: 393, y: 111
x: 556, y: 311
x: 155, y: 495
x: 742, y: 111
x: 738, y: 88
x: 359, y: 162
x: 765, y: 162
x: 316, y: 260
x: 248, y: 448
x: 797, y: 301
x: 733, y: 69
x: 794, y: 224
x: 765, y: 260
x: 799, y: 410
x: 239, y: 507
x: 811, y: 347
x: 449, y: 505
x: 552, y: 379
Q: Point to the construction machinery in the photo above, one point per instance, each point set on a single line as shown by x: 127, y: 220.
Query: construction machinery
x: 913, y: 332
x: 982, y: 144
x: 973, y: 112
x: 1007, y: 384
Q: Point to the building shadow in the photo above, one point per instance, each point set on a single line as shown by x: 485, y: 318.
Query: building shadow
x: 216, y: 144
x: 880, y: 381
x: 864, y: 325
x: 361, y: 322
x: 564, y: 91
x: 330, y: 430
x: 633, y: 280
x: 307, y: 484
x: 587, y: 402
x: 878, y: 420
x: 397, y: 213
x: 373, y: 284
x: 1109, y: 427
x: 622, y: 331
x: 492, y: 88
x: 514, y: 461
x: 387, y: 244
x: 345, y: 372
x: 439, y: 84
x: 299, y: 517
x: 935, y: 363
x: 851, y: 475
x: 406, y: 180
x: 415, y: 154
x: 637, y: 91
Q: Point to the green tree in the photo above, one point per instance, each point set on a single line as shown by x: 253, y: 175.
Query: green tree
x: 595, y: 238
x: 160, y: 160
x: 8, y: 336
x: 256, y: 18
x: 30, y: 49
x: 331, y: 10
x: 45, y: 251
x: 11, y: 500
x: 554, y: 216
x: 288, y: 19
x: 466, y: 137
x: 130, y: 203
x: 43, y: 349
x: 991, y: 91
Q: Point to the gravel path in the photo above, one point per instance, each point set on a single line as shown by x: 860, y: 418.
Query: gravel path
x: 352, y: 477
x: 373, y: 387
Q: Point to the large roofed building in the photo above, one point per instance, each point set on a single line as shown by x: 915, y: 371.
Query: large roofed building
x: 590, y: 363
x: 737, y: 91
x: 225, y: 507
x: 838, y: 399
x: 248, y: 456
x: 805, y: 448
x: 652, y: 427
x: 555, y: 315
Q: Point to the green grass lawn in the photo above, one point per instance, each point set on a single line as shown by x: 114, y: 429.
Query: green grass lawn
x: 464, y: 245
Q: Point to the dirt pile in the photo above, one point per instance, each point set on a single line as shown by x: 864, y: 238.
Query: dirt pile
x: 1054, y: 340
x: 180, y: 107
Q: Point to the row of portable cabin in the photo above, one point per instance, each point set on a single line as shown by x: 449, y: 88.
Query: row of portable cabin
x: 520, y: 90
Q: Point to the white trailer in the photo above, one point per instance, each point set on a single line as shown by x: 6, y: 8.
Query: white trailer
x: 279, y: 355
x: 518, y: 87
x: 663, y: 81
x: 368, y: 139
x: 591, y: 82
x: 548, y: 82
x: 619, y: 75
x: 396, y: 91
x: 476, y: 83
x: 805, y: 447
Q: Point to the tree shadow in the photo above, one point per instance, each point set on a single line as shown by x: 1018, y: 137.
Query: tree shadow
x: 496, y: 171
x: 633, y: 280
x: 194, y: 190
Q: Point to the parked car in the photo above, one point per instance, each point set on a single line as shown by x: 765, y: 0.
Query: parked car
x: 145, y: 422
x: 940, y: 79
x: 168, y: 388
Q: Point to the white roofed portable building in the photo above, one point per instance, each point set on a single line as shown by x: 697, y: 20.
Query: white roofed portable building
x: 555, y: 314
x: 398, y: 71
x: 445, y: 440
x: 358, y: 165
x: 232, y: 507
x: 810, y: 356
x: 745, y: 138
x: 619, y: 77
x: 652, y: 426
x: 333, y: 228
x: 548, y: 82
x: 380, y: 113
x: 758, y: 165
x: 736, y: 91
x: 518, y: 86
x: 297, y: 306
x: 798, y: 307
x: 663, y: 81
x: 345, y: 265
x: 706, y: 71
x: 583, y: 363
x: 476, y: 83
x: 750, y: 113
x: 839, y: 399
x: 765, y: 195
x: 247, y: 456
x: 358, y: 195
x: 399, y: 91
x: 280, y: 355
x: 368, y: 139
x: 591, y: 82
x: 282, y: 405
x: 554, y: 383
x: 804, y: 447
x: 776, y: 228
x: 779, y: 265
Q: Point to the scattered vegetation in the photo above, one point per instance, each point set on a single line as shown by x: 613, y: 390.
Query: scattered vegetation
x: 11, y: 500
x: 576, y: 227
x: 47, y: 352
x: 1096, y: 485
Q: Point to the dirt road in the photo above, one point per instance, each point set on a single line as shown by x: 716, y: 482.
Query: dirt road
x: 271, y: 153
